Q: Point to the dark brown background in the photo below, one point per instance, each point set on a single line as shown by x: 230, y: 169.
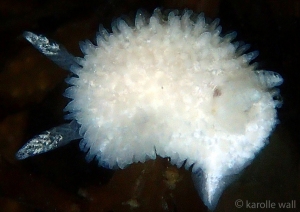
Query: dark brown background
x: 31, y: 100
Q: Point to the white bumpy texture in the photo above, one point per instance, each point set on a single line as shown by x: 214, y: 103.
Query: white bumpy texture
x: 174, y: 88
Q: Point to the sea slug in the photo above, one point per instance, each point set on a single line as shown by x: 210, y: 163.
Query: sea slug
x: 171, y: 86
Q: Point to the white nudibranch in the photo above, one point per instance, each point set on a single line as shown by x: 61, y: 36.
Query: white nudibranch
x: 168, y: 86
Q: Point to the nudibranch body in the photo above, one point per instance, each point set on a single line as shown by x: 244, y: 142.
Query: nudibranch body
x: 171, y: 87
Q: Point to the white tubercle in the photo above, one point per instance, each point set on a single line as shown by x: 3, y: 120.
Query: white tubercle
x: 174, y: 88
